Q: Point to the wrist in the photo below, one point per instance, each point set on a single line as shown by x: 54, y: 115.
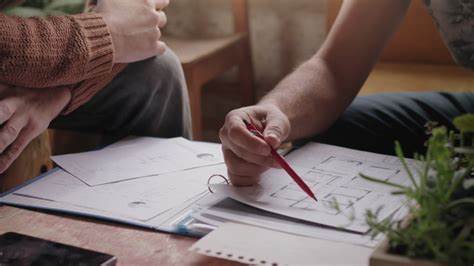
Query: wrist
x: 269, y: 104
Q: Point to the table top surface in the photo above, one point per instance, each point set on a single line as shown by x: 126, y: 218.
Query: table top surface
x: 131, y: 245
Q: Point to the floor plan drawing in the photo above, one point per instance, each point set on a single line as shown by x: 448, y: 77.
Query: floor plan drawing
x: 333, y: 174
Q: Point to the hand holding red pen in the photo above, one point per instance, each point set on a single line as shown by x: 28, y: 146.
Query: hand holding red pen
x: 246, y: 155
x: 282, y: 162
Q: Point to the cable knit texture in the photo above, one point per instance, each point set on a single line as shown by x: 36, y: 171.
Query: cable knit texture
x: 74, y: 51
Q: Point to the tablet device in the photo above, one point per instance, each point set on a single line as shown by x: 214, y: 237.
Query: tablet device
x: 18, y: 249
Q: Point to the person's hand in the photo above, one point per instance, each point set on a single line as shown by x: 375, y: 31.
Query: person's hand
x: 24, y: 114
x: 135, y: 27
x: 246, y: 155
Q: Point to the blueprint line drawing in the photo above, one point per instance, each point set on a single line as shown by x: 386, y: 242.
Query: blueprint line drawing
x: 333, y: 174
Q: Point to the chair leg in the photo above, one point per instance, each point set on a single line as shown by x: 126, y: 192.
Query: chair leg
x: 195, y: 100
x: 246, y: 75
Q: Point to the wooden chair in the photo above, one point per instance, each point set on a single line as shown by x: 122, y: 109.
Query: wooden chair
x: 415, y: 59
x: 205, y: 59
x: 33, y: 161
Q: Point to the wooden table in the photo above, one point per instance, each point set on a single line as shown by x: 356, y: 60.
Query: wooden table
x: 131, y: 245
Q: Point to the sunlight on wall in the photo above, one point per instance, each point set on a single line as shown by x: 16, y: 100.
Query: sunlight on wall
x: 283, y: 33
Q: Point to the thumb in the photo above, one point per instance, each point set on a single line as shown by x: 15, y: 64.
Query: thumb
x: 274, y: 132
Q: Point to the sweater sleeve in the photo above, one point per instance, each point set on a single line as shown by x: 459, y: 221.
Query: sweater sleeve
x: 84, y: 91
x: 54, y: 51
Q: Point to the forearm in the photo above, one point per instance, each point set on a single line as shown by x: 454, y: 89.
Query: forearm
x: 53, y: 51
x: 310, y: 98
x: 318, y: 91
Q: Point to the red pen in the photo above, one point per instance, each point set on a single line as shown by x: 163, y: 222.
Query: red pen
x: 281, y: 161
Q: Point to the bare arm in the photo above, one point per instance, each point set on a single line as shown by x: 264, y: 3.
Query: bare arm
x: 318, y: 91
x: 311, y: 98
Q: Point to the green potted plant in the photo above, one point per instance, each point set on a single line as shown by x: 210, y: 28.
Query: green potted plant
x: 439, y: 229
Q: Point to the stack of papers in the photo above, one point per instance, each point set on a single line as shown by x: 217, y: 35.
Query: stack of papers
x: 138, y: 157
x: 333, y: 173
x: 135, y: 181
x: 162, y: 184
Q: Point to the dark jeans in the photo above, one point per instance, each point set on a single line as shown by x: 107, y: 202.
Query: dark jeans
x: 147, y: 98
x: 373, y: 123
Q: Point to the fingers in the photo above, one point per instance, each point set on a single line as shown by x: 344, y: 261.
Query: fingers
x: 241, y: 172
x: 242, y: 181
x: 160, y: 47
x: 160, y: 4
x: 6, y: 111
x: 277, y: 129
x: 10, y: 130
x: 246, y: 153
x: 236, y: 133
x: 248, y: 156
x: 162, y: 19
x: 13, y: 151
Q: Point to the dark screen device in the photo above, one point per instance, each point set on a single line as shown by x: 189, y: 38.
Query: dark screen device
x: 18, y: 249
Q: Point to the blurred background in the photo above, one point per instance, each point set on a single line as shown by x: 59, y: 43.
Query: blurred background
x: 280, y: 35
x: 234, y: 51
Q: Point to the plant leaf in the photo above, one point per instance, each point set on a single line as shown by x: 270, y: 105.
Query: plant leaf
x: 464, y: 123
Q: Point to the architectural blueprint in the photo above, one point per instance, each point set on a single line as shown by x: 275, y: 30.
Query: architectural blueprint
x: 139, y: 199
x: 137, y: 157
x: 333, y: 175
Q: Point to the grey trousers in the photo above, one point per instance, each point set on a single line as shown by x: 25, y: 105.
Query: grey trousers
x: 373, y: 123
x: 147, y: 98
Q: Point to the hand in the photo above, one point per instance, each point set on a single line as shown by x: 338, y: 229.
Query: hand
x: 24, y: 114
x: 246, y: 155
x: 135, y: 27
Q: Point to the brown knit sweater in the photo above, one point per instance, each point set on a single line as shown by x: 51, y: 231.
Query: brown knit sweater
x: 74, y: 51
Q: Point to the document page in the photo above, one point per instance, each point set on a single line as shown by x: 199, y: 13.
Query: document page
x: 229, y: 210
x: 333, y: 175
x: 139, y: 199
x: 137, y: 158
x: 255, y: 245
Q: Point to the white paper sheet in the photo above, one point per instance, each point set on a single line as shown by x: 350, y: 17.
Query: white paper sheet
x: 140, y: 199
x: 138, y: 157
x: 228, y: 210
x: 159, y: 222
x: 255, y: 245
x: 333, y: 174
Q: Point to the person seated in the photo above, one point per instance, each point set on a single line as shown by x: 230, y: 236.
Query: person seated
x: 105, y: 72
x: 317, y: 100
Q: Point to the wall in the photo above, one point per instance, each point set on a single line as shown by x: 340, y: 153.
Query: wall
x: 283, y: 34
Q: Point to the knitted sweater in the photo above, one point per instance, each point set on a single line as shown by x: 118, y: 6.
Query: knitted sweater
x: 74, y: 51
